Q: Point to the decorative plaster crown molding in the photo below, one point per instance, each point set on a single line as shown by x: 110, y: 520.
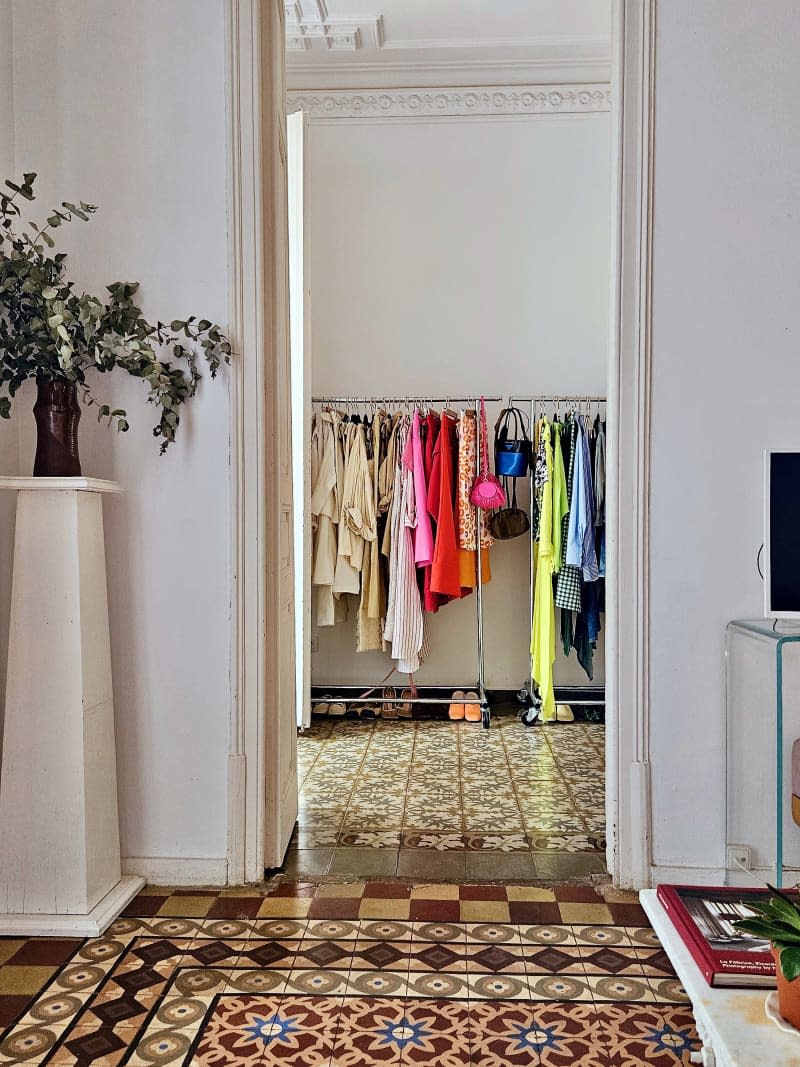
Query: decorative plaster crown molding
x: 477, y: 101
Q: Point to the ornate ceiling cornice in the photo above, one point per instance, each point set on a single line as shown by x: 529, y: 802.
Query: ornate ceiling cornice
x: 427, y: 104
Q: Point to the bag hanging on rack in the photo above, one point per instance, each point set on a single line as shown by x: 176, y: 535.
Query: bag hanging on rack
x: 487, y: 492
x: 512, y: 454
x: 511, y: 522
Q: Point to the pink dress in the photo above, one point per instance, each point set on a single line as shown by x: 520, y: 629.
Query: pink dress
x: 423, y: 534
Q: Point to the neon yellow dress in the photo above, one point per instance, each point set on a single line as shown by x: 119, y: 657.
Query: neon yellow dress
x: 543, y: 636
x: 560, y: 498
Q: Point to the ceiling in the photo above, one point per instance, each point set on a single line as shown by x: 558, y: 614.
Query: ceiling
x: 375, y: 43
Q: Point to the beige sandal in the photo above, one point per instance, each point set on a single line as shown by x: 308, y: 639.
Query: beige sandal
x: 389, y: 707
x: 404, y: 709
x: 321, y: 709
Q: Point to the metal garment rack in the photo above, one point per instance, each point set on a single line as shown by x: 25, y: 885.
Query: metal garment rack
x: 540, y: 402
x: 410, y: 402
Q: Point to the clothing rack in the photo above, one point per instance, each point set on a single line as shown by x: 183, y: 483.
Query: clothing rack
x: 412, y: 402
x: 541, y: 401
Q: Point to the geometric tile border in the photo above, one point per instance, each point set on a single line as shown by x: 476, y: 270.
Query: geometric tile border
x: 157, y: 988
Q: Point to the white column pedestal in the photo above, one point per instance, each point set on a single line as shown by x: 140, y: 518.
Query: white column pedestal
x: 60, y: 867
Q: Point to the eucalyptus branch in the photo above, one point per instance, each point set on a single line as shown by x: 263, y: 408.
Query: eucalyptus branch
x: 47, y: 330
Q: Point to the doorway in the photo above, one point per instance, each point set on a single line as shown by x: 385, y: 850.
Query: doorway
x: 452, y: 279
x: 632, y: 59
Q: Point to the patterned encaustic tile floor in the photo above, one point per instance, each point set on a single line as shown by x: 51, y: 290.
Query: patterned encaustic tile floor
x: 321, y: 975
x: 522, y: 802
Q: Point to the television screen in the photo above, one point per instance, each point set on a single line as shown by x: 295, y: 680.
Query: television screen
x: 783, y: 534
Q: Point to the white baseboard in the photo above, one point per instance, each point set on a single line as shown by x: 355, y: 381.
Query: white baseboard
x: 92, y: 924
x: 687, y: 875
x: 178, y: 870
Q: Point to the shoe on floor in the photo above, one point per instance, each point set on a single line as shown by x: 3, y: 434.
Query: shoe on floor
x: 564, y: 713
x: 389, y: 703
x: 457, y: 710
x: 405, y: 710
x: 472, y: 712
x: 321, y: 709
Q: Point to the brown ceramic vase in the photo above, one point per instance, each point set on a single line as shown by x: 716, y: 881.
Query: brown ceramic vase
x: 57, y: 413
x: 788, y: 995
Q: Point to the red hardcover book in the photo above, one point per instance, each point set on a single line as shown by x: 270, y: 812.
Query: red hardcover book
x: 704, y: 917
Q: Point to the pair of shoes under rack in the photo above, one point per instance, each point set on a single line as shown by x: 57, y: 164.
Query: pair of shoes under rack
x: 465, y: 705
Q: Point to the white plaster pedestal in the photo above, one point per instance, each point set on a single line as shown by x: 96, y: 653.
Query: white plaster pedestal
x: 60, y: 867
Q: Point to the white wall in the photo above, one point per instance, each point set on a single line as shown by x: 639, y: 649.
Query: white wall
x: 726, y: 377
x: 460, y: 257
x: 8, y: 432
x: 123, y: 105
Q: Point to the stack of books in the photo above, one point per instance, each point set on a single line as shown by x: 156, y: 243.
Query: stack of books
x: 704, y: 917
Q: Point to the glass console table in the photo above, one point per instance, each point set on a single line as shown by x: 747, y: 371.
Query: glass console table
x: 763, y: 722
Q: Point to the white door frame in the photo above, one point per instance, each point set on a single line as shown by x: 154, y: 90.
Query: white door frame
x: 251, y: 370
x: 253, y: 644
x: 627, y: 643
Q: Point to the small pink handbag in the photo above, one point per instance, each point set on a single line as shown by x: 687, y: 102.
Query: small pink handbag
x: 487, y: 492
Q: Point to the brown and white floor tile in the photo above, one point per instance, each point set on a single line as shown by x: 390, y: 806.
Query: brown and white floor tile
x: 447, y: 983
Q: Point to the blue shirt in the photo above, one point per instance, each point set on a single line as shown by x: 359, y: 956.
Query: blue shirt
x: 581, y: 551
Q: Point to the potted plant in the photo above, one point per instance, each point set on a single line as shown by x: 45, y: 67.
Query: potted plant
x: 777, y: 920
x: 56, y: 335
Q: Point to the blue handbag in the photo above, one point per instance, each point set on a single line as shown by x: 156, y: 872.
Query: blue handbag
x: 512, y: 446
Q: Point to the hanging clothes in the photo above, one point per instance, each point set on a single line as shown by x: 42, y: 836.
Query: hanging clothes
x: 372, y: 605
x: 582, y: 547
x: 325, y: 508
x: 404, y: 630
x: 357, y: 523
x: 560, y: 496
x: 346, y: 578
x: 445, y: 577
x: 431, y: 601
x: 423, y: 535
x: 581, y: 550
x: 600, y: 494
x: 466, y: 513
x: 568, y: 588
x: 543, y: 636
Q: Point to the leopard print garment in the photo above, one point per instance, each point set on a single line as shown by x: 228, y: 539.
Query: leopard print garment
x: 467, y: 454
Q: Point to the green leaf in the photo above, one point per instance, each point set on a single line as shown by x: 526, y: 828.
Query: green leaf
x: 790, y: 961
x: 770, y: 931
x: 49, y: 293
x: 48, y: 240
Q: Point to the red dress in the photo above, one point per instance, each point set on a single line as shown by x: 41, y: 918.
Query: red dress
x: 445, y: 570
x: 431, y: 600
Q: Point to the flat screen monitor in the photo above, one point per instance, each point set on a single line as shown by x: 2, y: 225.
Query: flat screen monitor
x: 782, y: 535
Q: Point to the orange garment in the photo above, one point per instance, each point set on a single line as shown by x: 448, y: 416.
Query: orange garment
x: 468, y: 568
x: 445, y: 571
